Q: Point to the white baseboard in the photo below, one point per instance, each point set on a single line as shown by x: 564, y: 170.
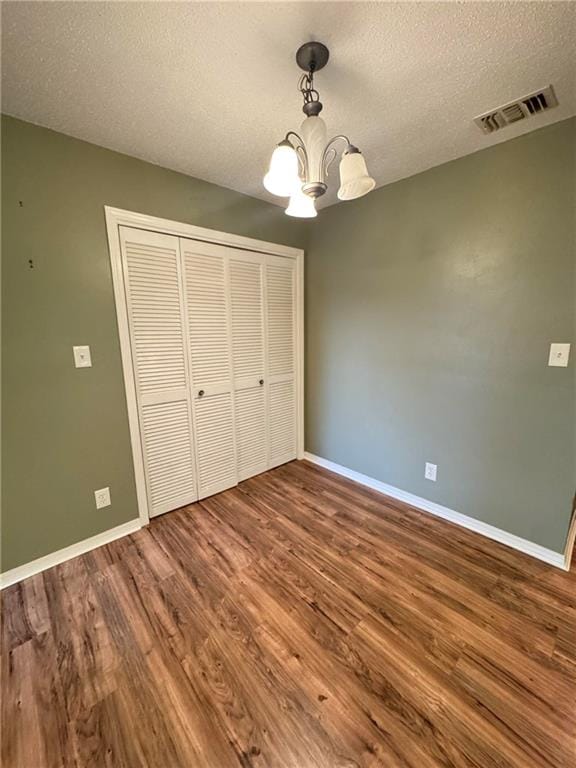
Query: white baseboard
x: 556, y: 559
x: 55, y: 558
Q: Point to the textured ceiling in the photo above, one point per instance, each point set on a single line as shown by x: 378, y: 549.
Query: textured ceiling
x: 209, y: 88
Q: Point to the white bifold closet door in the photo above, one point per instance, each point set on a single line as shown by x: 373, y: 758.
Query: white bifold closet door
x: 246, y: 272
x: 213, y: 343
x: 152, y: 276
x: 209, y: 337
x: 281, y: 353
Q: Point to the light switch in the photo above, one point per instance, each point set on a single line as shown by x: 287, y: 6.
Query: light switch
x: 82, y: 357
x: 559, y: 354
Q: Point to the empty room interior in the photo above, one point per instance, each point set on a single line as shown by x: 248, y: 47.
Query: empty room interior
x: 288, y: 384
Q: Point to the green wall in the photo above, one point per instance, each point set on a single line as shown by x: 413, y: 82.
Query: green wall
x: 65, y: 430
x: 431, y: 304
x: 430, y: 307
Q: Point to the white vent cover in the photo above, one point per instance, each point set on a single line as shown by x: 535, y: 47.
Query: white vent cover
x: 527, y: 106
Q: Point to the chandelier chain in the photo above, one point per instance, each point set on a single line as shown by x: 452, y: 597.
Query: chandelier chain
x: 306, y: 88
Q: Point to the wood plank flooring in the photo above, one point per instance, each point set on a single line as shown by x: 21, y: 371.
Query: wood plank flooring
x: 297, y: 621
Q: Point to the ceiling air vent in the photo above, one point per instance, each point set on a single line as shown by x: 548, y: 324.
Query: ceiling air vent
x: 527, y: 106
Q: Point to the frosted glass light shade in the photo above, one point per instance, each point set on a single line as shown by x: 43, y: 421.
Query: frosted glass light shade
x: 282, y: 177
x: 354, y: 179
x: 301, y: 206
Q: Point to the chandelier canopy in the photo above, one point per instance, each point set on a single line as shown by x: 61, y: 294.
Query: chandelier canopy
x: 299, y: 164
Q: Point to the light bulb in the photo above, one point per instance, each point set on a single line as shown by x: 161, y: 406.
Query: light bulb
x: 301, y: 206
x: 282, y: 176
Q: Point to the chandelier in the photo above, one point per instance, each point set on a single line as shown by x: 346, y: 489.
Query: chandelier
x: 300, y: 163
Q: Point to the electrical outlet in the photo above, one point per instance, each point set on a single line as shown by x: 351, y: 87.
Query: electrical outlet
x: 102, y: 498
x: 430, y: 471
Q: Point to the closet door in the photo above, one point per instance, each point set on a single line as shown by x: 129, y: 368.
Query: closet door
x: 246, y: 275
x: 280, y: 292
x: 156, y: 323
x: 208, y: 327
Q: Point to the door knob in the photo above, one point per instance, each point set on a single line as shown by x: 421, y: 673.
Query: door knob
x: 261, y: 382
x: 201, y: 393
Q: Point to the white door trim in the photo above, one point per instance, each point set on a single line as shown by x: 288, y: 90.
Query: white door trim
x: 115, y: 218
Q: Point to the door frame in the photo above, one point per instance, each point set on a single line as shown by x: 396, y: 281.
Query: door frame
x: 117, y: 217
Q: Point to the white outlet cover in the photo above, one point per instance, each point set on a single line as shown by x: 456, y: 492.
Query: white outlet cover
x: 430, y: 471
x: 102, y: 498
x: 559, y: 354
x: 82, y: 358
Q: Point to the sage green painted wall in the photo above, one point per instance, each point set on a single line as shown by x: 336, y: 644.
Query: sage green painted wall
x: 65, y: 430
x: 431, y: 304
x: 430, y: 307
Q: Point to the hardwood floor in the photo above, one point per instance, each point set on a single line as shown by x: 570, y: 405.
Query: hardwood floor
x: 297, y: 621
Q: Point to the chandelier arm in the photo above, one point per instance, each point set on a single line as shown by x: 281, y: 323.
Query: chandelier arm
x: 300, y: 149
x: 299, y: 140
x: 340, y: 137
x: 303, y: 161
x: 329, y: 158
x: 330, y: 147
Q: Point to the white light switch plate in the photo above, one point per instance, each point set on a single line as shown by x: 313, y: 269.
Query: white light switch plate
x: 82, y: 357
x: 430, y: 471
x: 559, y: 354
x: 102, y: 498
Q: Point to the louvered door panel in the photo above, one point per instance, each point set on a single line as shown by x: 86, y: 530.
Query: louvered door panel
x: 208, y: 326
x: 246, y: 302
x: 215, y: 443
x: 251, y: 435
x: 282, y: 429
x: 207, y: 317
x: 281, y: 359
x: 280, y: 317
x: 155, y: 315
x: 168, y: 452
x: 156, y: 321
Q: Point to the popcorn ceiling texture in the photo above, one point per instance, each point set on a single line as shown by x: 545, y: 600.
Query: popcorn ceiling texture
x: 208, y: 89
